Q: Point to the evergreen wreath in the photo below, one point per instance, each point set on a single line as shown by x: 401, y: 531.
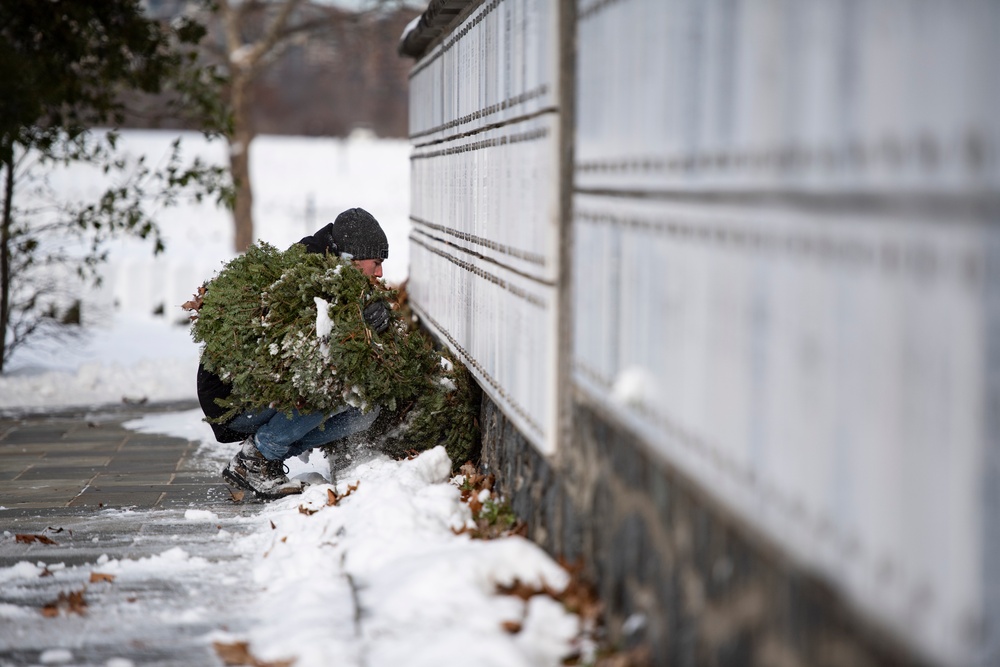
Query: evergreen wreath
x: 286, y: 329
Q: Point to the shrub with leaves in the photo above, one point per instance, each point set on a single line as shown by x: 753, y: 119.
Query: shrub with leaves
x: 287, y: 329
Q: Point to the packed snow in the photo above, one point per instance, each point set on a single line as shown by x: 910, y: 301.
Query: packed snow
x: 392, y: 544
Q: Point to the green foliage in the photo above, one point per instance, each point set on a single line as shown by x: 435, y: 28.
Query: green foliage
x: 53, y: 245
x: 497, y: 514
x: 261, y: 323
x: 66, y: 64
x: 67, y: 67
x: 439, y: 415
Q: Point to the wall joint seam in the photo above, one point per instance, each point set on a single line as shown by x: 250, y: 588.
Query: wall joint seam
x: 471, y: 361
x: 474, y: 269
x: 529, y: 135
x: 534, y: 258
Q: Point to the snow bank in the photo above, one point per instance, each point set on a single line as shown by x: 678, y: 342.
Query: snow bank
x: 381, y: 578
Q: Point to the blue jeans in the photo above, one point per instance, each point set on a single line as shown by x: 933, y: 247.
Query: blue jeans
x: 279, y: 437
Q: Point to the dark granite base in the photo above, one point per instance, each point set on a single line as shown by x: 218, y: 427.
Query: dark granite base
x: 675, y: 571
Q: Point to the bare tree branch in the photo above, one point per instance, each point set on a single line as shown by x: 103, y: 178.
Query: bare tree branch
x: 263, y: 46
x: 231, y: 26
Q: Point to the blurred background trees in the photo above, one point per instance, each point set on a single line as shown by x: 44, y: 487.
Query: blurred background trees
x: 296, y: 67
x: 68, y: 68
x: 74, y: 73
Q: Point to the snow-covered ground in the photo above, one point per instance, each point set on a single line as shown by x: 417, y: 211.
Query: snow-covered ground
x: 428, y: 592
x: 381, y: 578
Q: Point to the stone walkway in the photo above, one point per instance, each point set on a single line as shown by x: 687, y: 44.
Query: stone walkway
x: 77, y: 490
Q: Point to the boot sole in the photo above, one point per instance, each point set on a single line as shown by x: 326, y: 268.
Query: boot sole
x: 239, y: 482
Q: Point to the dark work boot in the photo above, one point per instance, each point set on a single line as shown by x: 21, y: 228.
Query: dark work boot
x: 251, y: 471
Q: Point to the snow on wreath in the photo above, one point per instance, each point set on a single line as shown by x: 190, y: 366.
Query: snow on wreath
x: 287, y: 329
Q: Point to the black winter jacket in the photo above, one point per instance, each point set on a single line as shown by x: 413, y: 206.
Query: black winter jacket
x: 211, y: 387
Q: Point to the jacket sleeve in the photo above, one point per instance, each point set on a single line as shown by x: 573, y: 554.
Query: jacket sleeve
x: 211, y: 387
x: 321, y: 242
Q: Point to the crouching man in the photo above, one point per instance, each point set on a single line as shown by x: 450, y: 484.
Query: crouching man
x: 271, y: 436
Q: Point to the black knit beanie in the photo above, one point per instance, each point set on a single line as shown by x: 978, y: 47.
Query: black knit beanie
x: 357, y: 232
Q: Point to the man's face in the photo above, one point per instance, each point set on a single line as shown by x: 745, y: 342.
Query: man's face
x: 370, y: 267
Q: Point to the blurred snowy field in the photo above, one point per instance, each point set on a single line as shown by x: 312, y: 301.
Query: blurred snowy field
x: 135, y: 342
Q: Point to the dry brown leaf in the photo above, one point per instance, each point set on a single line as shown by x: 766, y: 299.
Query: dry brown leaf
x: 308, y: 511
x: 273, y: 526
x: 236, y: 496
x: 331, y: 494
x: 238, y: 653
x: 97, y: 577
x: 196, y: 302
x: 28, y: 539
x: 579, y: 596
x: 519, y: 589
x: 513, y: 627
x: 635, y: 657
x: 67, y: 603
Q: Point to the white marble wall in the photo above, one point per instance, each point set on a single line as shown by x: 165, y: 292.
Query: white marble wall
x: 484, y: 203
x: 782, y: 215
x: 784, y: 266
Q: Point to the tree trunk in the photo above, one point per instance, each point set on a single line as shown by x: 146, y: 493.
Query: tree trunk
x: 239, y: 164
x: 7, y: 163
x: 245, y: 61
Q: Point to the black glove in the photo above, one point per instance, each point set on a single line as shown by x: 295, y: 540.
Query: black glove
x: 377, y: 316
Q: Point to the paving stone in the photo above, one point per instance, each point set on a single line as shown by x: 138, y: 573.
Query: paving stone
x: 42, y: 471
x: 69, y: 477
x: 29, y: 435
x: 118, y: 499
x: 108, y: 479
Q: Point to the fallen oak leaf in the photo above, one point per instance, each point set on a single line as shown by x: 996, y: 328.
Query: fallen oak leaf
x: 238, y: 653
x: 513, y: 627
x: 332, y: 498
x: 519, y: 589
x: 98, y: 577
x: 196, y: 302
x: 24, y: 538
x: 67, y: 603
x: 580, y: 595
x: 236, y: 496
